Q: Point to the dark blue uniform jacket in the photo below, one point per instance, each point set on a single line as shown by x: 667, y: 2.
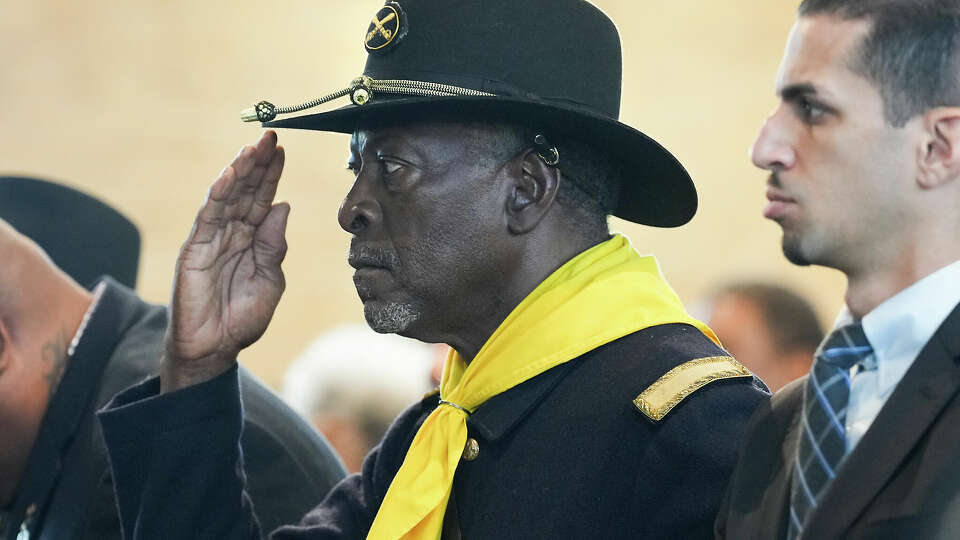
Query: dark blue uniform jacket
x: 563, y: 455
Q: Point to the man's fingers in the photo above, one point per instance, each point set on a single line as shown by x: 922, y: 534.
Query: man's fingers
x: 267, y: 190
x: 237, y: 193
x: 254, y: 158
x: 244, y: 155
x: 270, y: 243
x: 265, y: 147
x: 250, y: 170
x: 210, y: 218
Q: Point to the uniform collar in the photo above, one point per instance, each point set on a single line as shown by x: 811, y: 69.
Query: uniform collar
x: 499, y: 414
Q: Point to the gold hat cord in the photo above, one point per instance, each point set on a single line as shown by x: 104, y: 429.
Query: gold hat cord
x: 361, y: 91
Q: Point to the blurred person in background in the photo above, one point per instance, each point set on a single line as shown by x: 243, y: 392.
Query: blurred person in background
x: 352, y: 382
x: 65, y: 350
x: 768, y: 328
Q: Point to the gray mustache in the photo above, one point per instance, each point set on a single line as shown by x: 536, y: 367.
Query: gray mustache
x: 361, y: 255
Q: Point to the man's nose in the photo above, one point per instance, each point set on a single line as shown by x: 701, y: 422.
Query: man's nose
x: 772, y: 150
x: 360, y: 208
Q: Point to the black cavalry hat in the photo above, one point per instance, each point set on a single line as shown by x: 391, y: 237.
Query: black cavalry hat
x: 552, y: 64
x: 84, y: 236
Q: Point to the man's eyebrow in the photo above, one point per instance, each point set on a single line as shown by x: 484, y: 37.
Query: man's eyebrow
x: 795, y: 91
x: 354, y: 143
x: 366, y: 139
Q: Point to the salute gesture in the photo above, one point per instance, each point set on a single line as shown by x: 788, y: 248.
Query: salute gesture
x: 228, y: 280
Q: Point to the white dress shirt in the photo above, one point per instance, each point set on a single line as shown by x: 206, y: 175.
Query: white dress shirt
x: 897, y: 330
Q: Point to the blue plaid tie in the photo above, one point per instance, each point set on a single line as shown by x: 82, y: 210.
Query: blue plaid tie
x: 822, y: 443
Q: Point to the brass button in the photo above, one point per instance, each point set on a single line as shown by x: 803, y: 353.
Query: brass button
x: 471, y: 450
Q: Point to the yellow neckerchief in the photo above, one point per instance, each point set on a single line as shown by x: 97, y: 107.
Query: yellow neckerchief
x: 602, y: 294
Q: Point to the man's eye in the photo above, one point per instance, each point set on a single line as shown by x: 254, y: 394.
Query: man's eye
x: 809, y: 111
x: 390, y: 167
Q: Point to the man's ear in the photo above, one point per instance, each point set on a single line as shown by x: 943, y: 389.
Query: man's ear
x: 533, y: 189
x: 939, y: 160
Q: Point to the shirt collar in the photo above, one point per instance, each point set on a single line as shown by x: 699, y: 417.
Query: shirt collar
x: 900, y: 326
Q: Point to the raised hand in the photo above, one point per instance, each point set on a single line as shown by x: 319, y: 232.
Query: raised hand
x: 228, y: 280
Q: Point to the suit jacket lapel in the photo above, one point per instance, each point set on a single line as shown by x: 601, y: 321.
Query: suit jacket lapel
x: 758, y: 499
x: 777, y: 500
x: 785, y: 478
x: 915, y: 403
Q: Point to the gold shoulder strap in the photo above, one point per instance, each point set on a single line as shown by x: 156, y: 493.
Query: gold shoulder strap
x: 678, y: 383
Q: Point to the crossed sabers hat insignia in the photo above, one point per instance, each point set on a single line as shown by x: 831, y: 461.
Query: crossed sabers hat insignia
x: 378, y: 27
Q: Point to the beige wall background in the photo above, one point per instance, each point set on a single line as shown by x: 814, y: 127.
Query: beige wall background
x: 137, y: 102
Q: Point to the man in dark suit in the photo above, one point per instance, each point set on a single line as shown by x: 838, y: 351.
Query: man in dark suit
x: 864, y: 155
x: 580, y: 400
x: 66, y: 350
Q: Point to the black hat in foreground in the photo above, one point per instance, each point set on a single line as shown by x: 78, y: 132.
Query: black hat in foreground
x: 552, y: 64
x: 85, y: 237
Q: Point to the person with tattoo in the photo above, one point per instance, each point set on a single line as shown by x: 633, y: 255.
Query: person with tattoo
x: 66, y: 350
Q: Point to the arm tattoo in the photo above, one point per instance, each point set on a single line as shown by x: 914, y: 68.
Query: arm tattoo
x: 55, y: 359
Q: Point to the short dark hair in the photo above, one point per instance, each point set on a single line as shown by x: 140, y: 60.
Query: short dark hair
x: 789, y: 317
x: 910, y: 53
x: 590, y: 180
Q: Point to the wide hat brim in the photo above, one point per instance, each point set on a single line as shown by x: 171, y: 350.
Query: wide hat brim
x: 655, y: 189
x: 84, y: 236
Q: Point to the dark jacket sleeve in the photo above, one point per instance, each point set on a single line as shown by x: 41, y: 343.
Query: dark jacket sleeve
x: 694, y: 458
x: 176, y: 461
x: 178, y: 468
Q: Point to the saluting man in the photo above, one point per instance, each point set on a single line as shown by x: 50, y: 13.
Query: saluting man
x: 579, y: 398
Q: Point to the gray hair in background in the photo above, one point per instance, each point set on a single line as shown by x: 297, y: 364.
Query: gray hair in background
x: 353, y: 372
